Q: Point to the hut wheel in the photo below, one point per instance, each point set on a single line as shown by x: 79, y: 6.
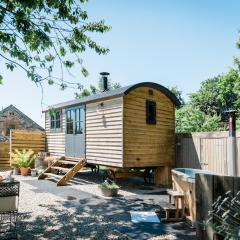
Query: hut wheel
x: 148, y: 175
x: 95, y: 169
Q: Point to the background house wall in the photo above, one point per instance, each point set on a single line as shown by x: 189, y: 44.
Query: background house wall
x: 13, y: 118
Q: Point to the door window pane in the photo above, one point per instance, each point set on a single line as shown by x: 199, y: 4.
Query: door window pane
x: 70, y: 122
x: 75, y: 121
x: 82, y: 114
x: 70, y: 128
x: 77, y: 115
x: 81, y: 126
x: 68, y: 116
x: 73, y: 115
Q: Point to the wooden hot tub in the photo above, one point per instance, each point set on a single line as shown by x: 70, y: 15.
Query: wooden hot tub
x: 184, y: 182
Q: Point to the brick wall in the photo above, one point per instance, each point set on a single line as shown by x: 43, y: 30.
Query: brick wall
x: 14, y: 119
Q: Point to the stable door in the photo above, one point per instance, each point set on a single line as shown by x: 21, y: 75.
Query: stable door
x: 75, y: 131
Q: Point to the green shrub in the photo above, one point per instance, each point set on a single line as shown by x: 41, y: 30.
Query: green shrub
x: 108, y: 184
x: 23, y: 158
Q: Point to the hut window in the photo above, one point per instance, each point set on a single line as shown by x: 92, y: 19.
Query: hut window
x: 150, y: 112
x: 52, y: 121
x: 56, y: 120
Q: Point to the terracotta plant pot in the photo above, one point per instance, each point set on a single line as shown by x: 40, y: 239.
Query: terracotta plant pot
x: 24, y: 171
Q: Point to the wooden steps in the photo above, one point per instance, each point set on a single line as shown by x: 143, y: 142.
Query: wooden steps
x: 172, y: 212
x: 167, y: 206
x: 52, y: 175
x: 67, y: 162
x: 174, y: 193
x: 63, y: 169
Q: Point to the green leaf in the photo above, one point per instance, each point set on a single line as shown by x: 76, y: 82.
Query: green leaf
x: 1, y: 79
x: 40, y: 32
x: 84, y: 72
x: 50, y: 82
x: 62, y: 51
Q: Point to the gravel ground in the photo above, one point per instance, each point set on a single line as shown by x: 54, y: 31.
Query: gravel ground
x: 80, y: 212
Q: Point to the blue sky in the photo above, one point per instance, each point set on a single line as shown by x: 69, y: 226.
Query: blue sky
x: 174, y: 43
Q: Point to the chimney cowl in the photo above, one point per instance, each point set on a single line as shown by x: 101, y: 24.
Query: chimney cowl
x: 104, y: 73
x: 104, y: 79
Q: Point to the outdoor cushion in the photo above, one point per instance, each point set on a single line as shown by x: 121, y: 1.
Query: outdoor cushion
x: 8, y: 204
x: 5, y: 174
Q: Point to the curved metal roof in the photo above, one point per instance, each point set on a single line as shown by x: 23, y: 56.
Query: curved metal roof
x: 117, y: 93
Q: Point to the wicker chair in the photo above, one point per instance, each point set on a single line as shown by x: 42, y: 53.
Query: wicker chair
x: 9, y: 201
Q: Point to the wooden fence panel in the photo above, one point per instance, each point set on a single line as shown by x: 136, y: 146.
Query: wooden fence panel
x: 4, y: 155
x: 208, y: 189
x: 188, y: 152
x: 214, y: 154
x: 22, y: 139
x: 204, y: 150
x: 238, y: 155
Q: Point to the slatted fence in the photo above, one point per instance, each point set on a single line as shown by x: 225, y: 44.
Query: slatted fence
x: 4, y: 155
x: 208, y: 189
x: 23, y: 139
x: 206, y: 150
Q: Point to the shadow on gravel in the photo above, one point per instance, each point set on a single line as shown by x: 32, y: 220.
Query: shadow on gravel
x: 85, y: 216
x: 109, y: 220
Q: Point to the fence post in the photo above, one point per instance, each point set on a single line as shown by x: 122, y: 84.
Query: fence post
x: 231, y: 144
x: 231, y: 156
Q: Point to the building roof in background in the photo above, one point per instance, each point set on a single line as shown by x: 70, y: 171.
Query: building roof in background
x: 117, y: 93
x: 12, y: 108
x: 4, y: 138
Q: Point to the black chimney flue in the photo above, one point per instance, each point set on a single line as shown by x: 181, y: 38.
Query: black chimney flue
x: 232, y: 122
x: 104, y: 79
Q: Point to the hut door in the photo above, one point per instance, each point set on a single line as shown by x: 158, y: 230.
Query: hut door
x: 75, y: 132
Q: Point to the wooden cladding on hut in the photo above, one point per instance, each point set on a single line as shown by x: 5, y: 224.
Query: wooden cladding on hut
x: 133, y: 126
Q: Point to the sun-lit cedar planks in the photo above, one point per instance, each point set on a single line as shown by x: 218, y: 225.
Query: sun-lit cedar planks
x: 144, y: 144
x: 55, y: 138
x: 4, y: 155
x: 24, y: 139
x: 104, y: 132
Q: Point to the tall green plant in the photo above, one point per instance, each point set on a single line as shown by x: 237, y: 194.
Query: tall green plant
x: 42, y: 36
x: 23, y: 158
x: 192, y: 119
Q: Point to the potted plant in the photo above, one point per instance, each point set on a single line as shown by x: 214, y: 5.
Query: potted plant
x: 109, y: 188
x: 23, y: 159
x: 33, y: 172
x: 15, y: 170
